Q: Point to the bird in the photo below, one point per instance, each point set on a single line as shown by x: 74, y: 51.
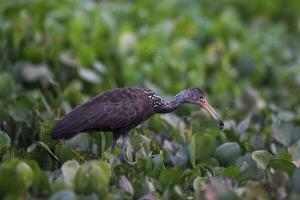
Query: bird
x: 121, y: 109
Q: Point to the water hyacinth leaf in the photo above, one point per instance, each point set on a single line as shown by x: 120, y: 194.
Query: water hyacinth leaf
x: 7, y: 86
x: 242, y: 127
x: 21, y: 109
x: 41, y: 72
x: 220, y: 188
x: 127, y: 43
x: 63, y: 195
x: 181, y: 157
x: 285, y: 116
x: 248, y: 168
x: 228, y: 153
x: 286, y: 133
x: 45, y: 133
x: 73, y: 93
x: 69, y: 169
x: 41, y: 155
x: 262, y: 158
x: 170, y: 176
x: 283, y: 165
x: 12, y: 184
x: 199, y: 184
x: 61, y: 184
x: 202, y: 147
x: 65, y: 153
x: 25, y: 173
x: 5, y: 140
x: 256, y: 192
x: 295, y: 152
x: 40, y: 178
x: 80, y: 142
x: 125, y: 184
x: 89, y: 76
x: 295, y: 181
x: 18, y: 176
x: 100, y: 67
x: 158, y: 163
x: 93, y: 177
x: 231, y: 171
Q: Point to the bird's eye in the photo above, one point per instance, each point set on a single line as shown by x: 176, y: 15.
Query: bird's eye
x: 201, y: 97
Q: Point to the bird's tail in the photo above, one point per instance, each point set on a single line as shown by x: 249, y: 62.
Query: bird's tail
x: 61, y: 134
x: 61, y: 131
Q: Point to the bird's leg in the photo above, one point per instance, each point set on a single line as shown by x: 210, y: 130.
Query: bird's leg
x: 115, y: 138
x: 125, y: 141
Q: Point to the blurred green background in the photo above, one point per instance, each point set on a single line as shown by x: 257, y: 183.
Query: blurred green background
x: 55, y: 55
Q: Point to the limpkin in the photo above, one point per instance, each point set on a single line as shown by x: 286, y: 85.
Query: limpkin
x: 122, y: 109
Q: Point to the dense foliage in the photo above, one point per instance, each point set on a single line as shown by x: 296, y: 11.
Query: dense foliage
x: 55, y: 55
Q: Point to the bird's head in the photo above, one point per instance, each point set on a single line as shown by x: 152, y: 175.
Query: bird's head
x: 196, y: 96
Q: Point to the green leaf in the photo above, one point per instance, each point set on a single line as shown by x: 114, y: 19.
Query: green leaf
x: 21, y: 109
x: 228, y: 153
x: 125, y: 184
x: 170, y: 176
x: 61, y: 184
x: 40, y: 182
x: 295, y: 151
x: 7, y: 86
x: 286, y: 133
x: 4, y: 140
x: 63, y: 195
x: 295, y: 181
x: 65, y: 153
x: 25, y: 173
x: 202, y: 147
x: 89, y: 76
x: 231, y: 171
x: 283, y: 165
x: 69, y: 169
x: 45, y: 133
x: 72, y: 93
x: 41, y: 155
x: 93, y: 177
x: 262, y: 158
x: 199, y: 184
x: 17, y: 176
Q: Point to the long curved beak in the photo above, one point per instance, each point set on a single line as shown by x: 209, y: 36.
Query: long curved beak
x: 214, y: 113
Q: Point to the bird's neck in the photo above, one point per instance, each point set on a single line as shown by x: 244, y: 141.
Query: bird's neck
x: 174, y: 103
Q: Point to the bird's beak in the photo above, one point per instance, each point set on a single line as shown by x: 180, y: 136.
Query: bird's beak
x: 213, y: 112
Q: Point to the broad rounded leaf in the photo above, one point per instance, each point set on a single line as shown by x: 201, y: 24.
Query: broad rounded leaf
x: 89, y: 76
x: 295, y: 181
x: 125, y: 184
x: 7, y: 86
x: 16, y: 177
x: 228, y: 153
x: 286, y: 133
x: 63, y: 195
x: 92, y: 177
x: 262, y: 158
x: 61, y: 184
x: 170, y: 176
x: 4, y: 140
x: 202, y: 147
x: 25, y: 173
x: 283, y: 165
x: 231, y: 171
x: 69, y: 169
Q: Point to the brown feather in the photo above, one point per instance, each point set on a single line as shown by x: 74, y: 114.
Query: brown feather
x: 122, y: 108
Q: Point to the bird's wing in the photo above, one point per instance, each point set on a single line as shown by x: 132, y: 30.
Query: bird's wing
x: 116, y: 113
x: 105, y: 112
